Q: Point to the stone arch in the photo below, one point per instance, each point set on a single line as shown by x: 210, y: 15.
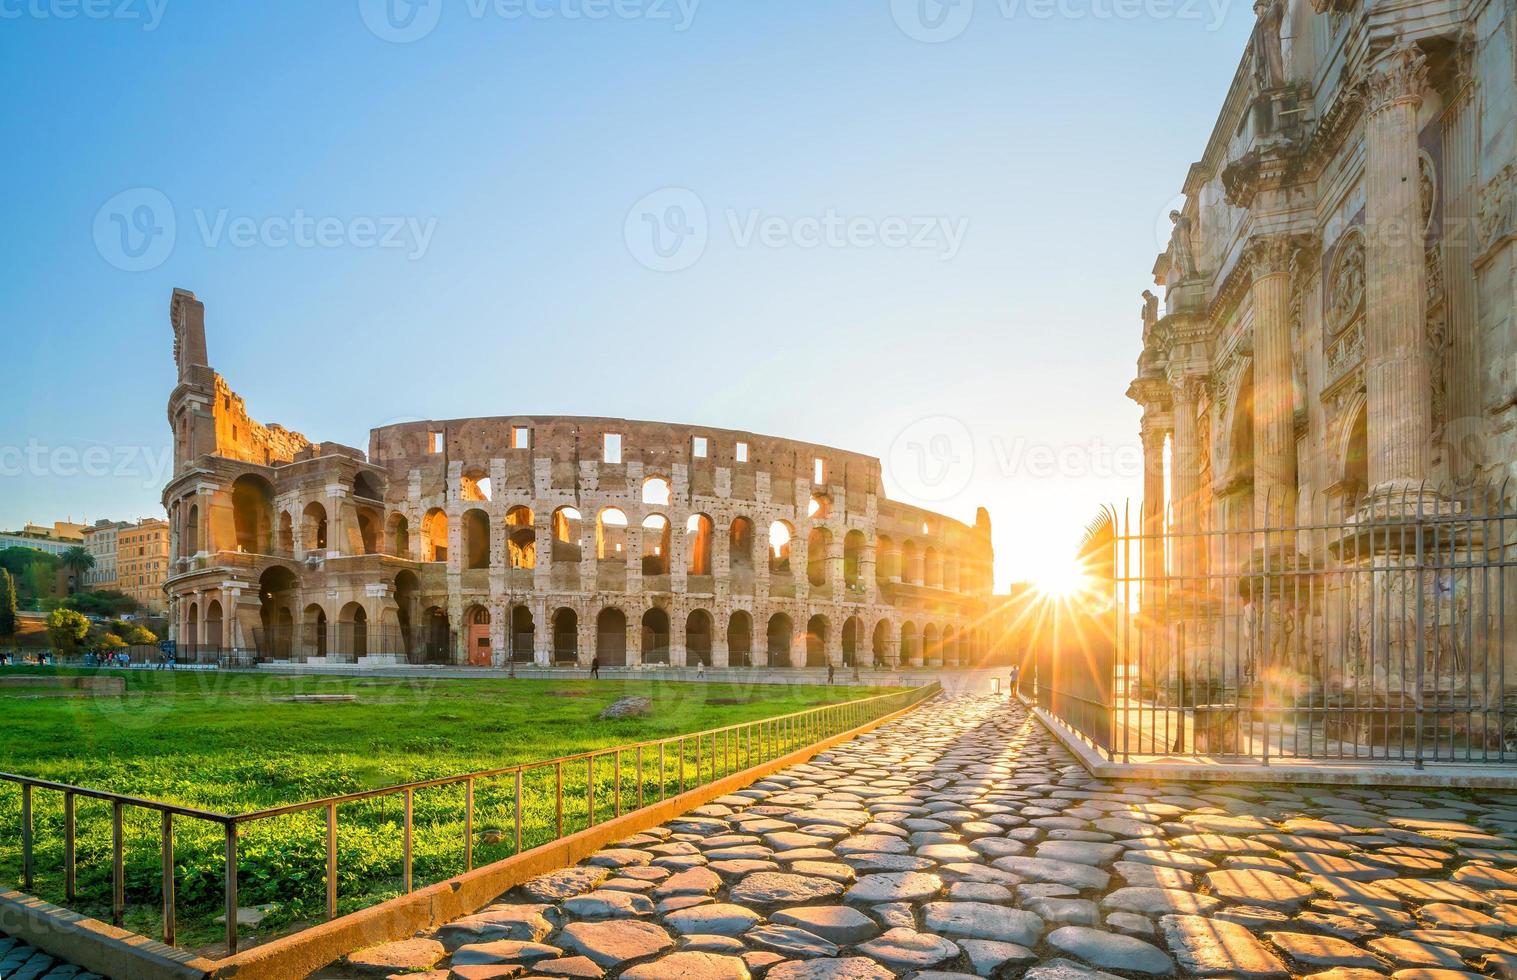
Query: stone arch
x: 817, y: 633
x: 887, y: 561
x: 437, y: 632
x: 277, y: 590
x: 698, y: 638
x: 565, y: 635
x: 611, y: 637
x: 474, y: 485
x: 853, y: 630
x: 253, y: 514
x: 368, y: 486
x: 475, y: 539
x: 740, y: 639
x: 399, y: 535
x: 781, y: 537
x: 910, y: 652
x: 656, y: 491
x: 779, y: 636
x: 740, y: 545
x: 853, y: 559
x: 1353, y: 449
x: 521, y: 538
x: 407, y: 607
x: 313, y: 626
x: 369, y: 531
x: 353, y: 630
x: 656, y: 636
x: 190, y: 535
x: 932, y: 568
x: 314, y: 531
x: 192, y: 627
x: 611, y: 534
x: 880, y: 643
x: 932, y: 649
x: 434, y: 535
x: 818, y: 543
x: 655, y: 532
x: 523, y: 635
x: 566, y: 535
x: 698, y: 529
x: 215, y: 625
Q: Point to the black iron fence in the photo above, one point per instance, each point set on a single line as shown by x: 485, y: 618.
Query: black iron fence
x: 347, y: 643
x: 1372, y: 629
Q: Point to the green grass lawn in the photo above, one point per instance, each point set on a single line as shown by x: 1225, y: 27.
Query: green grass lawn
x: 229, y: 743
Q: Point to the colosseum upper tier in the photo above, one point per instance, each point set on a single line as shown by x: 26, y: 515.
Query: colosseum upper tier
x: 550, y: 540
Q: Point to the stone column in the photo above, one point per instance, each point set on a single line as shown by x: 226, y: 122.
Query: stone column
x: 1274, y: 384
x: 1396, y: 379
x: 1185, y: 473
x: 1155, y: 428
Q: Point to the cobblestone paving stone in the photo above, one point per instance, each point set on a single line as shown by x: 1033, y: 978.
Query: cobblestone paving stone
x: 963, y: 840
x: 18, y: 961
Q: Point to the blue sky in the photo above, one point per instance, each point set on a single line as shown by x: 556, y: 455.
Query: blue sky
x: 928, y: 250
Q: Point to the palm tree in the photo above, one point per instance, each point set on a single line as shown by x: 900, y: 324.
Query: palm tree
x: 78, y: 560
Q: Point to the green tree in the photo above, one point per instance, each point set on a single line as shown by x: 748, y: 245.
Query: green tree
x: 66, y: 629
x: 78, y: 560
x: 7, y: 606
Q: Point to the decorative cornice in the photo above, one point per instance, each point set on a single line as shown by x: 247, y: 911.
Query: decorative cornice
x: 1398, y: 77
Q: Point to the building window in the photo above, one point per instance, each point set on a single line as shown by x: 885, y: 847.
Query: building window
x: 521, y: 437
x: 740, y: 452
x: 611, y: 448
x: 698, y: 447
x: 818, y: 471
x: 434, y: 442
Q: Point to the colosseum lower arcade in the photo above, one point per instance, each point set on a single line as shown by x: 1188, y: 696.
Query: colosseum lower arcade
x: 550, y: 541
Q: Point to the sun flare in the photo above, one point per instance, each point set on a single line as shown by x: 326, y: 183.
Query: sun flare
x: 1061, y: 579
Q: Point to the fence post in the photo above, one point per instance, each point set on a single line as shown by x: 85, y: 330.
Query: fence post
x: 168, y: 879
x: 469, y: 824
x: 26, y: 836
x: 231, y: 888
x: 405, y: 870
x: 331, y: 861
x: 68, y: 847
x: 118, y: 865
x: 518, y: 809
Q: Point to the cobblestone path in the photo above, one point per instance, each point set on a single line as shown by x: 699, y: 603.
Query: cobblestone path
x: 962, y: 840
x: 18, y: 961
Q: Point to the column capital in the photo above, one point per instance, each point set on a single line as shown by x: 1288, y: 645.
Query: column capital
x: 1397, y: 77
x: 1268, y: 255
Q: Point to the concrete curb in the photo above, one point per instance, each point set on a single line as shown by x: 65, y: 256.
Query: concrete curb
x: 94, y: 945
x: 1306, y: 772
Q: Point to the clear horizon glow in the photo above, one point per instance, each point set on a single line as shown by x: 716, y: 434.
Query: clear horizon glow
x: 927, y: 252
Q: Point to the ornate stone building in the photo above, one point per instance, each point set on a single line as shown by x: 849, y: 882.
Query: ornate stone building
x: 551, y: 540
x: 1337, y: 331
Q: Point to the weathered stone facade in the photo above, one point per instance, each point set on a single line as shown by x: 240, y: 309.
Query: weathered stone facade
x: 552, y: 540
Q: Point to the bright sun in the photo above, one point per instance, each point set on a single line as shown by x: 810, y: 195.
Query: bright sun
x: 1061, y: 579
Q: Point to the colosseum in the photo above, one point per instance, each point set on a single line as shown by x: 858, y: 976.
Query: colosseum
x: 549, y: 541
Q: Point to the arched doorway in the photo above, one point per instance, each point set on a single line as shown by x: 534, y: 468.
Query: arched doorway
x: 816, y: 641
x: 779, y: 638
x: 481, y: 653
x: 313, y: 638
x: 909, y: 651
x: 192, y: 641
x: 850, y: 641
x: 253, y: 514
x: 439, y: 636
x: 932, y: 653
x: 880, y: 645
x: 740, y: 639
x: 565, y: 636
x: 407, y: 586
x: 698, y: 638
x: 611, y: 638
x: 523, y: 636
x: 214, y: 627
x: 655, y: 636
x: 277, y: 588
x: 353, y: 631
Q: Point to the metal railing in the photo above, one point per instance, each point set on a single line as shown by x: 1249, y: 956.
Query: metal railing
x: 1345, y: 629
x: 598, y: 785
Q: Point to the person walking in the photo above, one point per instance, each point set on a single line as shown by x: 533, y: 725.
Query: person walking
x: 595, y: 668
x: 831, y: 674
x: 700, y: 670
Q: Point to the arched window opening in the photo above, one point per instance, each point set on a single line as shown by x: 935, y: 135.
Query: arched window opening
x: 521, y: 542
x: 740, y: 639
x: 816, y: 641
x: 313, y: 640
x: 850, y: 641
x: 566, y: 535
x: 286, y: 534
x: 740, y: 545
x: 887, y: 561
x: 253, y: 514
x: 353, y: 631
x: 909, y: 649
x: 932, y: 652
x: 277, y: 588
x: 407, y: 588
x: 698, y: 638
x: 400, y: 536
x: 194, y: 641
x: 880, y: 644
x: 476, y: 542
x: 853, y: 559
x: 434, y: 529
x: 819, y: 508
x: 911, y: 563
x: 367, y: 486
x: 655, y: 545
x: 611, y: 534
x: 780, y: 536
x: 818, y: 544
x: 474, y: 485
x: 656, y: 492
x: 523, y: 635
x: 565, y: 636
x: 779, y: 637
x: 439, y: 636
x: 698, y: 545
x: 368, y: 531
x: 214, y: 627
x: 313, y: 527
x: 655, y: 636
x: 190, y: 535
x: 611, y: 638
